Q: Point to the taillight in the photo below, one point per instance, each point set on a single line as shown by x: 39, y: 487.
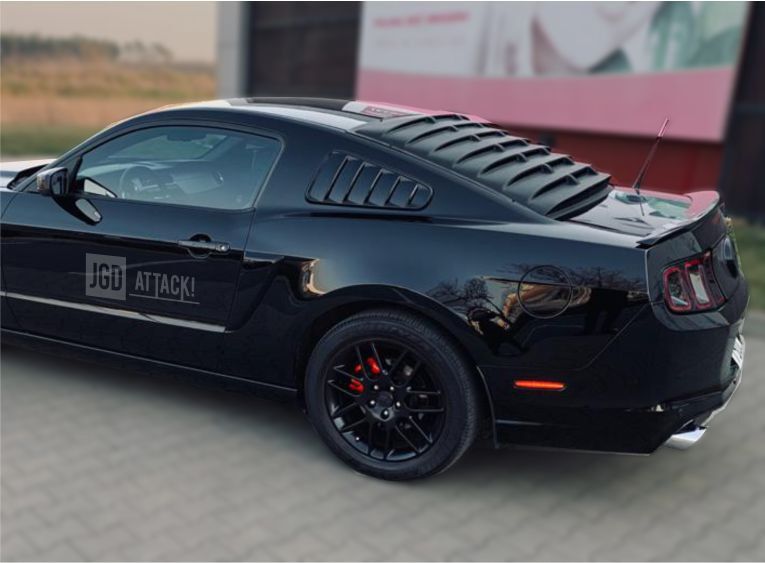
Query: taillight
x: 691, y: 286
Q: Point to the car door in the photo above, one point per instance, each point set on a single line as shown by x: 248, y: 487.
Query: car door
x: 144, y: 256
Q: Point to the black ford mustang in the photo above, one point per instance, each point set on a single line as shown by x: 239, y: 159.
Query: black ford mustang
x: 415, y: 280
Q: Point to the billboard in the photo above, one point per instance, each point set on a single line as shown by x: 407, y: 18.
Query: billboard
x: 608, y: 67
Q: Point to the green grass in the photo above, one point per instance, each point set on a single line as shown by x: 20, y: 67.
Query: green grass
x: 43, y: 140
x: 76, y: 78
x: 750, y: 240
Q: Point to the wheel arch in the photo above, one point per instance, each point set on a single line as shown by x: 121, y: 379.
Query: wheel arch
x: 448, y: 322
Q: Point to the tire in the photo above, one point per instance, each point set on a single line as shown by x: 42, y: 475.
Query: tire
x: 409, y: 401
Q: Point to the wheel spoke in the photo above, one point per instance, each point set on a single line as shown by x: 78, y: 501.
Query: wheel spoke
x: 340, y: 411
x: 352, y: 425
x: 376, y: 355
x: 341, y: 371
x: 420, y: 430
x: 386, y: 450
x: 361, y: 361
x: 406, y: 439
x: 340, y: 388
x: 396, y: 364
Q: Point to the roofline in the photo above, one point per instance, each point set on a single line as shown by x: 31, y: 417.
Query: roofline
x: 335, y: 104
x: 335, y: 113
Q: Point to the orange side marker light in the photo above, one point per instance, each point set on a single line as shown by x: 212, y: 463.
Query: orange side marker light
x: 539, y: 385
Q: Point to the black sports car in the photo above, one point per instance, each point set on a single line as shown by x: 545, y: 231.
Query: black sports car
x: 415, y: 280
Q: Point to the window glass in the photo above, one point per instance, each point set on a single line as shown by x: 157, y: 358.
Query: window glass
x: 197, y: 166
x: 174, y: 145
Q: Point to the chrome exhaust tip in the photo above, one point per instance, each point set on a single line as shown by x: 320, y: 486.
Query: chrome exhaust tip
x: 685, y: 438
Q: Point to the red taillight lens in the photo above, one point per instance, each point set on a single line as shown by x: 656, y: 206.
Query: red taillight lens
x: 676, y: 290
x: 691, y: 286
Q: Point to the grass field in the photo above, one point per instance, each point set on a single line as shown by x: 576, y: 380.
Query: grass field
x: 750, y: 240
x: 76, y: 78
x: 36, y: 140
x: 46, y: 107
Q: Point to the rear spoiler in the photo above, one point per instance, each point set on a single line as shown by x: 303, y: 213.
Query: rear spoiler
x: 702, y: 205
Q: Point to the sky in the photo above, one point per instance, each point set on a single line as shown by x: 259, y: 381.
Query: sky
x: 186, y: 28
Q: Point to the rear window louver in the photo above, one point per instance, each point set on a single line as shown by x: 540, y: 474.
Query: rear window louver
x: 549, y: 183
x: 350, y: 181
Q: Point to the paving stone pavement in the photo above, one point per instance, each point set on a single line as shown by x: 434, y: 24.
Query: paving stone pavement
x: 103, y: 464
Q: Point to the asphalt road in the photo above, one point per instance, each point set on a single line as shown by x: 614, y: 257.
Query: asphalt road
x: 103, y: 464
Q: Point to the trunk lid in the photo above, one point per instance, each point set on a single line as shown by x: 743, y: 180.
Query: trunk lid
x: 673, y: 229
x: 662, y: 215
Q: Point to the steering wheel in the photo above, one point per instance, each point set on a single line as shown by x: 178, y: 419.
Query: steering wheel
x: 141, y: 183
x: 137, y: 179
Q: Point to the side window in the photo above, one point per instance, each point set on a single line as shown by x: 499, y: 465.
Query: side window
x: 199, y: 166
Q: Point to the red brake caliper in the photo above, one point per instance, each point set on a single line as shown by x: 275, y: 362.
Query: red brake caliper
x: 373, y: 366
x: 357, y: 386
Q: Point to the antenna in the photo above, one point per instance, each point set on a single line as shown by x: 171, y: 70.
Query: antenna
x: 647, y: 162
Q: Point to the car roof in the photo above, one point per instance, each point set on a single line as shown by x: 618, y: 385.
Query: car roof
x: 334, y: 113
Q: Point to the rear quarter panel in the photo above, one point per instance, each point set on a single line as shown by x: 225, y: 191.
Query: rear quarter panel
x: 463, y: 274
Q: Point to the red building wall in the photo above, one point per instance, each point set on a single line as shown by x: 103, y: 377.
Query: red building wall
x: 678, y: 166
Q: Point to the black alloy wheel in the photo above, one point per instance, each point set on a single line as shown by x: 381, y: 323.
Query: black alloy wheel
x: 383, y: 400
x: 391, y: 396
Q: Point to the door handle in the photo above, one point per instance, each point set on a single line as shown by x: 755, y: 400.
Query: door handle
x: 206, y: 245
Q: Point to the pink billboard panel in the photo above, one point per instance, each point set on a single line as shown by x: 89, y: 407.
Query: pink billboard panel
x: 609, y: 67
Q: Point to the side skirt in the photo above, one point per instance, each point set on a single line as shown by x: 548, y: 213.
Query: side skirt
x: 186, y: 374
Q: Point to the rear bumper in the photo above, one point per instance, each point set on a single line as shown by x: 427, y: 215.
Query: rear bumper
x: 679, y: 422
x: 692, y: 432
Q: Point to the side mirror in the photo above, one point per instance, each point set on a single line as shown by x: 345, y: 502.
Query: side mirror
x: 54, y: 182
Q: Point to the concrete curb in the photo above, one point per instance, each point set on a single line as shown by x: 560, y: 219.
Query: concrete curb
x: 754, y: 326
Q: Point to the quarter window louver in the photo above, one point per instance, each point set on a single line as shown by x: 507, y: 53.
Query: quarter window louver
x: 351, y: 181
